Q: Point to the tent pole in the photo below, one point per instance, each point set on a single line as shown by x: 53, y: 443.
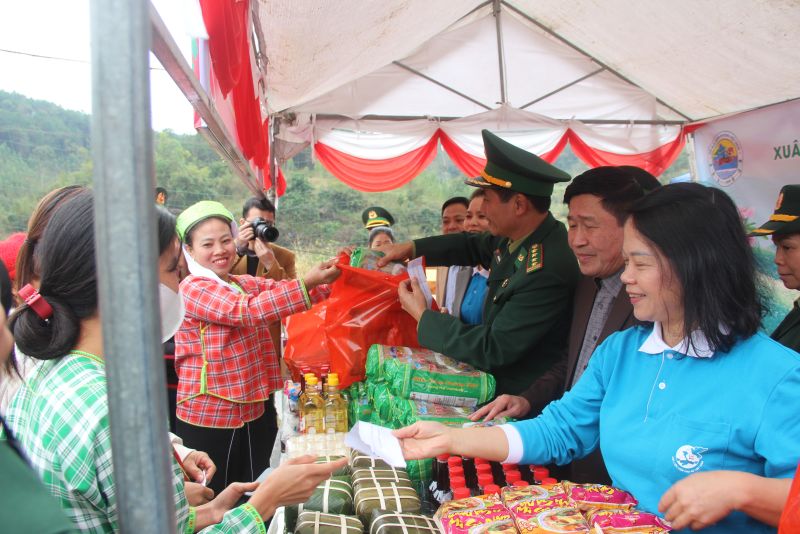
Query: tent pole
x: 570, y: 84
x: 580, y: 50
x: 125, y: 237
x: 273, y: 161
x: 500, y: 56
x: 328, y: 116
x: 440, y: 84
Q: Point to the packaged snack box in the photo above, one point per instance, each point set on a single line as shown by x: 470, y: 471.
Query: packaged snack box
x: 594, y: 496
x: 495, y: 518
x: 627, y: 522
x: 552, y: 514
x: 512, y: 496
x: 480, y: 502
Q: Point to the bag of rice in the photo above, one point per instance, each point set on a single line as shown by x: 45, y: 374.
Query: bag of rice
x: 407, y: 412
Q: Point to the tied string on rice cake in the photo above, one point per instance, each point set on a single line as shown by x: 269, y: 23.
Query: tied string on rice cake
x: 383, y: 522
x: 392, y: 497
x: 320, y: 523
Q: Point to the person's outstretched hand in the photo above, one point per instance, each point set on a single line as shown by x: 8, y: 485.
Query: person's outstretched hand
x: 701, y: 499
x: 199, y: 466
x: 503, y: 406
x: 293, y: 482
x: 424, y: 439
x: 411, y: 298
x: 396, y: 252
x: 324, y: 273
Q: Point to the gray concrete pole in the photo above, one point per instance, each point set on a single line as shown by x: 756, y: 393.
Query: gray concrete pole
x: 125, y: 227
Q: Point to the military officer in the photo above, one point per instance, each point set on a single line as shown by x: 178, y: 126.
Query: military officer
x: 376, y: 216
x: 533, y: 273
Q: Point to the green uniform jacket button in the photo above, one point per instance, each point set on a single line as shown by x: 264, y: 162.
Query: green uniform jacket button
x: 505, y: 283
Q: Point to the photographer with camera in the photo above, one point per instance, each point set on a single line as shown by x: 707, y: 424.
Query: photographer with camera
x: 257, y: 251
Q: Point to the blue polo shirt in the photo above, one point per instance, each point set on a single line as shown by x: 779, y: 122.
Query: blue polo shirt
x: 472, y: 305
x: 661, y: 413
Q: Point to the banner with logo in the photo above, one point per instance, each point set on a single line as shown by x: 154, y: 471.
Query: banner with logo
x: 751, y: 156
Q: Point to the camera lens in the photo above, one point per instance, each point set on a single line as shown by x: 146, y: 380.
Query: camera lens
x: 264, y: 230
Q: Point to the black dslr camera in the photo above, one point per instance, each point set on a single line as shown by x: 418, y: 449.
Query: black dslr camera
x: 264, y: 230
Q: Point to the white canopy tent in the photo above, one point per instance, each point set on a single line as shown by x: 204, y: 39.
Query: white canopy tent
x: 622, y: 77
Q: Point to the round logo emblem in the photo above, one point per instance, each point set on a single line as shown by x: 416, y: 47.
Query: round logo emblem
x: 372, y: 214
x: 688, y: 458
x: 726, y: 159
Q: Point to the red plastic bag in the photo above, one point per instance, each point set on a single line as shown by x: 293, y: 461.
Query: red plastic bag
x: 363, y: 309
x: 790, y: 520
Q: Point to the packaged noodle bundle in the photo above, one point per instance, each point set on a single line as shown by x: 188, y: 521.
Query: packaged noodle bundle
x: 333, y: 496
x: 387, y: 473
x: 553, y: 514
x: 359, y: 406
x: 627, y: 522
x: 367, y: 258
x: 479, y: 502
x: 382, y: 401
x: 309, y: 522
x: 389, y: 496
x: 422, y: 374
x: 420, y: 469
x: 592, y: 496
x: 407, y: 412
x: 495, y: 518
x: 400, y: 523
x: 512, y: 495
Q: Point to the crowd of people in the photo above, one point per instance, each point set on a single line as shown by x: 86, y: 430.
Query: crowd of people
x: 626, y: 343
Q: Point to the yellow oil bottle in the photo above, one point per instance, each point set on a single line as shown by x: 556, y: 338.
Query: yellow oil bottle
x: 335, y: 406
x: 312, y: 419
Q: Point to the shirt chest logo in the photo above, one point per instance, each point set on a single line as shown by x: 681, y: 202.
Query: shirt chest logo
x: 688, y: 458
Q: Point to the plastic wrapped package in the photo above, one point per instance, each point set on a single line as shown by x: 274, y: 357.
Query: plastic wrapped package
x: 513, y: 495
x: 594, y: 496
x: 329, y: 444
x: 333, y: 496
x: 553, y: 514
x: 496, y: 518
x: 479, y: 502
x: 407, y: 412
x: 382, y: 401
x: 385, y: 496
x: 420, y: 469
x: 422, y: 374
x: 359, y: 407
x: 309, y: 522
x: 627, y: 522
x: 400, y: 523
x: 367, y: 258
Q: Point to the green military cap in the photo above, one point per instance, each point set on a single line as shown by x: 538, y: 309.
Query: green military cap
x: 199, y: 212
x: 510, y: 167
x: 375, y: 216
x: 786, y: 217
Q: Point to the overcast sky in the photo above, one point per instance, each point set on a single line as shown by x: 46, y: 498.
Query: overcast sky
x: 60, y: 28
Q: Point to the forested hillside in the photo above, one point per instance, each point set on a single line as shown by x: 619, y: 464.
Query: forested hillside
x: 43, y: 146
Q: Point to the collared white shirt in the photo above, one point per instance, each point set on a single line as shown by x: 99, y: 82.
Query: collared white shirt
x: 698, y: 348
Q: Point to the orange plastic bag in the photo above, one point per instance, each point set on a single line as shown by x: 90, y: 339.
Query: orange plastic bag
x: 790, y: 520
x: 363, y: 309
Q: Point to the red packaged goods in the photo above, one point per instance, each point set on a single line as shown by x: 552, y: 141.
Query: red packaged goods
x: 554, y: 514
x: 480, y: 502
x: 627, y: 522
x: 495, y: 518
x: 514, y: 495
x: 592, y: 496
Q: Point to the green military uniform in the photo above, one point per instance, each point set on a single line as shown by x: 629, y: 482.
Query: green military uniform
x: 785, y: 220
x: 526, y: 316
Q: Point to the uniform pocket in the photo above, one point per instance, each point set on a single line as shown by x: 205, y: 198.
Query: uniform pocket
x: 689, y: 446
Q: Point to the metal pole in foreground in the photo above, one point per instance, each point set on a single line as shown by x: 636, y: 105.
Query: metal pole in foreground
x: 126, y: 259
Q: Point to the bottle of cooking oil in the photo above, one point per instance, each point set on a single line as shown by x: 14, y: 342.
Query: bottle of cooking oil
x: 335, y: 407
x: 312, y: 414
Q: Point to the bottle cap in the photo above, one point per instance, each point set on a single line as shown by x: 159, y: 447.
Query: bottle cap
x: 512, y: 476
x: 484, y: 469
x: 312, y: 380
x: 333, y: 379
x: 458, y: 482
x: 540, y: 472
x: 520, y: 484
x: 456, y: 471
x: 549, y: 481
x: 481, y: 461
x: 510, y: 467
x: 491, y: 488
x: 454, y: 460
x: 485, y: 480
x: 443, y: 457
x: 460, y: 493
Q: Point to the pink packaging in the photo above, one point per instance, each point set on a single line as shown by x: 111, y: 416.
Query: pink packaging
x: 592, y: 496
x: 627, y: 522
x: 495, y: 518
x: 511, y: 495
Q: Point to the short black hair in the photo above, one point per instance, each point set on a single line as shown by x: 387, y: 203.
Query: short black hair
x: 616, y: 187
x: 699, y: 231
x: 539, y: 203
x: 375, y: 232
x: 455, y: 200
x: 166, y: 228
x: 160, y: 190
x: 263, y: 204
x: 479, y: 192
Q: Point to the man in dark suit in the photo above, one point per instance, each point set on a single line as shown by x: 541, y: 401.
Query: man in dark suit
x: 598, y: 200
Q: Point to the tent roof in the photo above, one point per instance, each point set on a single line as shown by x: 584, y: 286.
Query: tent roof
x: 614, y: 60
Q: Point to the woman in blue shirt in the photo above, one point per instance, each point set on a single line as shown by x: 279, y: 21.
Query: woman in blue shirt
x: 700, y: 390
